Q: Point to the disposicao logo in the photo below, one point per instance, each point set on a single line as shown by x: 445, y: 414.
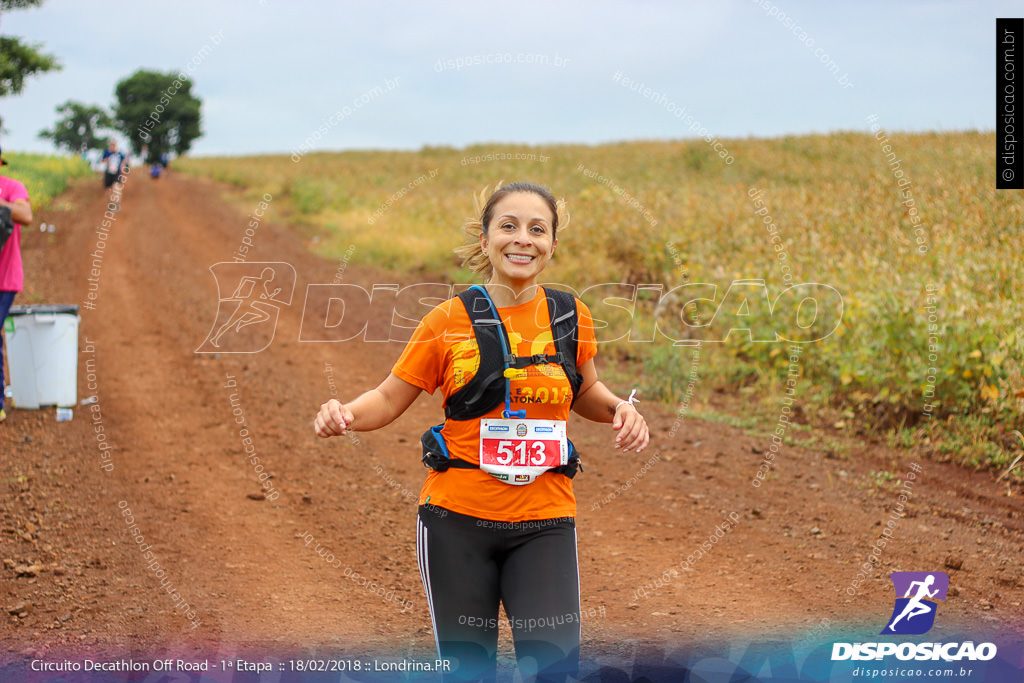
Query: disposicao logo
x: 913, y: 613
x: 247, y: 318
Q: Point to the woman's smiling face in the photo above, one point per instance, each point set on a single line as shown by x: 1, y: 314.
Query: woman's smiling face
x: 519, y: 240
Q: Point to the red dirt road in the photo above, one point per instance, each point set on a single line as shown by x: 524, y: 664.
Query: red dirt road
x: 74, y: 580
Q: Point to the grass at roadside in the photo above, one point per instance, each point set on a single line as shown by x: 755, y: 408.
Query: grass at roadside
x: 44, y: 176
x: 911, y: 258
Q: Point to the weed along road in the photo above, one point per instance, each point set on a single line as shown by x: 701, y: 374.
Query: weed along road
x: 214, y: 456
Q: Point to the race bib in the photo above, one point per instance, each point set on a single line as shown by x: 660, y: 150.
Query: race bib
x: 518, y: 451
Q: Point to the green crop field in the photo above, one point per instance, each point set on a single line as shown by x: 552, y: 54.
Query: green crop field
x: 897, y: 227
x: 44, y: 176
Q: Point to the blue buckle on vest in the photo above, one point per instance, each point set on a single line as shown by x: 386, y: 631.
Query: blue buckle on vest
x: 440, y: 439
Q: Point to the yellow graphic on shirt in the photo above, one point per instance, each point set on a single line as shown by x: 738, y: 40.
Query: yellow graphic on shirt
x: 540, y: 345
x: 465, y: 362
x: 541, y: 395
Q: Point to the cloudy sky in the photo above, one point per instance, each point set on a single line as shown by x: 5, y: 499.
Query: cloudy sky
x: 401, y: 75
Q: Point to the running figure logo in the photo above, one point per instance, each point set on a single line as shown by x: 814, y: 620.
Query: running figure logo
x: 247, y: 319
x: 916, y: 596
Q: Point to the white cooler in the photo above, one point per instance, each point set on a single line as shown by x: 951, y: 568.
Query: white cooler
x: 42, y: 354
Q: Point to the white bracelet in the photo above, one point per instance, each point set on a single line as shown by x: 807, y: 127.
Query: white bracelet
x: 631, y: 400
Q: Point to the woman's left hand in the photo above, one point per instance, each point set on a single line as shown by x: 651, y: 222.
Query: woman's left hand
x: 632, y: 428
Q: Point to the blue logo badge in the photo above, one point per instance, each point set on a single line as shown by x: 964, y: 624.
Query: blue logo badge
x: 917, y: 594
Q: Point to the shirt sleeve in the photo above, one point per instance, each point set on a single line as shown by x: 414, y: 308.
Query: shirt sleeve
x: 586, y: 347
x: 14, y: 190
x: 422, y: 362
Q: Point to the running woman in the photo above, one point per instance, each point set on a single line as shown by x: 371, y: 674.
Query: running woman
x: 483, y: 540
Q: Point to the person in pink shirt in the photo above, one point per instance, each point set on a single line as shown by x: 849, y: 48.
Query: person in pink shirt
x: 12, y: 276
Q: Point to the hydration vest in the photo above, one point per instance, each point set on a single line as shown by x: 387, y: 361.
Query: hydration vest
x: 490, y: 386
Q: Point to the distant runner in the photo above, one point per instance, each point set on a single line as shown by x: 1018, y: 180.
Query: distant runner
x: 496, y: 523
x: 114, y: 163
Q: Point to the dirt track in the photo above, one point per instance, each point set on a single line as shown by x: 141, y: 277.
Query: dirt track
x: 243, y: 565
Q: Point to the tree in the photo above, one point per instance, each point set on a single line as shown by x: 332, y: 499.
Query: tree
x: 77, y: 130
x: 20, y: 60
x: 157, y: 111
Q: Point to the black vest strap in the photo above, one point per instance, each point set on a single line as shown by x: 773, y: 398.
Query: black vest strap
x: 487, y: 387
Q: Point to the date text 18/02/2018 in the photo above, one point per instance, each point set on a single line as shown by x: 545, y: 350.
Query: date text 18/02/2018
x: 258, y: 667
x: 368, y: 665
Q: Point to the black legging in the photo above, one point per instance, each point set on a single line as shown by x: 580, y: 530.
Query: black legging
x: 469, y: 565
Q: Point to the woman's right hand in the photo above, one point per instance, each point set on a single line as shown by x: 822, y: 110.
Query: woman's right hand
x: 333, y: 419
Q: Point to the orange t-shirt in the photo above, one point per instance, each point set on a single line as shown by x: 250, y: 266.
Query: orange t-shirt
x: 443, y: 353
